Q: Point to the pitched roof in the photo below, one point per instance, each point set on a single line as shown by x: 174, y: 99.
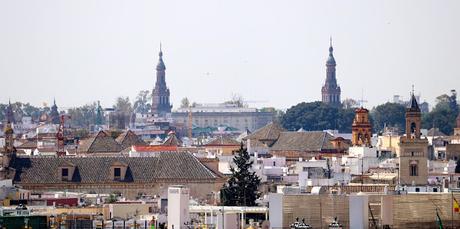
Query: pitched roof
x: 128, y: 139
x: 166, y: 165
x: 413, y: 104
x: 303, y: 141
x: 172, y: 140
x: 435, y: 132
x: 270, y: 131
x: 100, y: 143
x: 154, y: 148
x: 28, y: 145
x: 223, y: 141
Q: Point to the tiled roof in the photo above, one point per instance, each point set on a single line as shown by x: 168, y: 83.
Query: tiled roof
x: 223, y: 141
x: 128, y: 139
x: 269, y: 132
x: 28, y: 145
x: 172, y: 140
x: 435, y: 132
x: 155, y: 148
x: 303, y: 141
x: 88, y: 170
x: 101, y: 143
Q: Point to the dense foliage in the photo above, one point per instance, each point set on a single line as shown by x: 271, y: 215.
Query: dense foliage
x: 443, y: 115
x: 241, y: 188
x: 388, y: 114
x: 317, y: 116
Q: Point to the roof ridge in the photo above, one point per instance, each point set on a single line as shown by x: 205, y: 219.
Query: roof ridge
x: 202, y: 164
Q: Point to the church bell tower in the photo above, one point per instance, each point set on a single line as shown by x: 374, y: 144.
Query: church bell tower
x: 361, y: 129
x: 413, y: 149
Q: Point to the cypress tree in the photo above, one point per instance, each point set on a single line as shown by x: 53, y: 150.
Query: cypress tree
x: 241, y: 188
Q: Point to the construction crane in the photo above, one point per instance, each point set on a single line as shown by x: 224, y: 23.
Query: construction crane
x: 190, y: 124
x: 60, y: 136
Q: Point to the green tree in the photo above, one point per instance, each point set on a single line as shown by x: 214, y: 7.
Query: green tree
x: 317, y: 116
x: 84, y: 116
x: 443, y: 114
x: 349, y: 103
x: 237, y: 100
x: 242, y: 187
x: 142, y: 104
x: 389, y: 114
x: 184, y: 103
x: 123, y: 105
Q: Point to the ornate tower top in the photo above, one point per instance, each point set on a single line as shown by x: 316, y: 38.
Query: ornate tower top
x: 54, y: 113
x: 160, y: 96
x: 161, y: 65
x: 331, y: 91
x: 361, y: 128
x: 330, y: 59
x: 9, y: 113
x: 413, y: 119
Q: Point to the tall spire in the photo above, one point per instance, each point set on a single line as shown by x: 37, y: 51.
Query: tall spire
x: 331, y: 90
x: 413, y: 101
x: 161, y: 65
x: 330, y: 46
x: 160, y: 94
x: 330, y: 59
x: 10, y: 113
x: 54, y: 113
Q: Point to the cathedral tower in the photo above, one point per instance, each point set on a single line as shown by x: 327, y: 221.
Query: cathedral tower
x: 361, y: 128
x: 160, y: 95
x: 54, y: 114
x: 331, y: 91
x: 9, y: 114
x: 413, y: 158
x: 9, y: 152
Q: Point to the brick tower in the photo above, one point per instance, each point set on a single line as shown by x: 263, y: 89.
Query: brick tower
x: 413, y: 168
x: 361, y: 129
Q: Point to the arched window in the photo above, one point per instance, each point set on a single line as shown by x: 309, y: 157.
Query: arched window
x: 413, y: 127
x: 413, y: 168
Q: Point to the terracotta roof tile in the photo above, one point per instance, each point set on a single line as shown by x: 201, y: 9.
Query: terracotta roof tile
x: 166, y: 165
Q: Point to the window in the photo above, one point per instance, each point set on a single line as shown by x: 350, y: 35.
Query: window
x: 417, y: 189
x: 435, y: 189
x: 411, y: 154
x: 274, y: 163
x: 413, y: 169
x: 117, y: 172
x: 65, y: 172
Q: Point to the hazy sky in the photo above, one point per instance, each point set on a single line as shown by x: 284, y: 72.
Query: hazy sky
x: 273, y: 52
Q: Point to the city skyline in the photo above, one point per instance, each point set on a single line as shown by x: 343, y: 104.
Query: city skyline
x: 80, y: 53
